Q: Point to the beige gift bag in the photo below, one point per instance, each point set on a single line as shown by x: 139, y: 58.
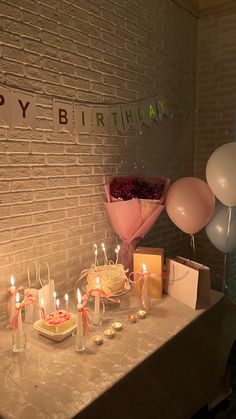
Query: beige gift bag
x: 48, y: 288
x: 188, y: 282
x: 32, y: 313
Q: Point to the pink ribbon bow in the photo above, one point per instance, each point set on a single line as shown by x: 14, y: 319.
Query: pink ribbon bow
x: 103, y: 294
x: 28, y: 299
x: 139, y: 282
x: 11, y: 294
x: 85, y: 318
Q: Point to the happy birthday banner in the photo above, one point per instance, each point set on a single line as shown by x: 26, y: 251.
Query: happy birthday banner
x: 18, y: 109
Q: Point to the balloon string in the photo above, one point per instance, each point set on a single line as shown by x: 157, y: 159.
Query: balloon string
x: 192, y: 243
x: 225, y: 282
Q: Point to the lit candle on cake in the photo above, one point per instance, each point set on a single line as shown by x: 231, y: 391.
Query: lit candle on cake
x: 95, y: 255
x: 80, y: 328
x: 145, y: 299
x: 66, y: 300
x: 57, y: 304
x: 43, y: 314
x: 12, y: 299
x: 117, y: 253
x: 19, y: 320
x: 105, y: 254
x: 54, y: 299
x: 96, y: 315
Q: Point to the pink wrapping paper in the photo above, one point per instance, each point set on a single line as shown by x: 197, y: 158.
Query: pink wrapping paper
x: 131, y: 220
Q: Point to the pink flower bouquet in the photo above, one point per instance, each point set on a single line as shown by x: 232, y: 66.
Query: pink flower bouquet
x: 133, y: 206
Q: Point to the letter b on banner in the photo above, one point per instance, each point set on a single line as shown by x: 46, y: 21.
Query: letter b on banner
x: 63, y: 116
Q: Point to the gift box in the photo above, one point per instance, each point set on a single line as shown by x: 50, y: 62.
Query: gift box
x: 153, y: 258
x: 188, y: 282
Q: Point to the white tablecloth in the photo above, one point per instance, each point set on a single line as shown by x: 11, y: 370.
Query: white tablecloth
x: 166, y: 366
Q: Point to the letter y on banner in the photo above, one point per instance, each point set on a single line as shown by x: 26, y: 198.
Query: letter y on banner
x: 162, y: 107
x: 63, y: 116
x: 23, y: 109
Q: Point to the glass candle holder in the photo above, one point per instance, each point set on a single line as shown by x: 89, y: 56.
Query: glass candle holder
x: 98, y: 309
x: 79, y: 343
x: 145, y: 298
x: 18, y: 341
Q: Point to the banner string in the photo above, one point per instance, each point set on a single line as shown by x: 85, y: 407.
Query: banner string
x: 82, y: 102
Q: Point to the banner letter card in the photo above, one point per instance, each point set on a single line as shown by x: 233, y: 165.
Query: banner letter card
x: 23, y: 109
x: 5, y: 106
x: 63, y: 116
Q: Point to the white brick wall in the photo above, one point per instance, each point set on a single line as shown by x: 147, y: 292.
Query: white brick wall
x: 106, y: 51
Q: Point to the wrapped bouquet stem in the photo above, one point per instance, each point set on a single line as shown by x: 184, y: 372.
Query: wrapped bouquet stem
x: 133, y: 206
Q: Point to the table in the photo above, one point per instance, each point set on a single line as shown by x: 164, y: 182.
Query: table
x: 166, y: 366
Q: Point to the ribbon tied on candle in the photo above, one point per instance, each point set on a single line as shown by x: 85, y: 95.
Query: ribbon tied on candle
x: 85, y: 316
x: 28, y: 299
x: 103, y: 294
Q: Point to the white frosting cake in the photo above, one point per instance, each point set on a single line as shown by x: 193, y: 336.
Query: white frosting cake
x: 58, y: 322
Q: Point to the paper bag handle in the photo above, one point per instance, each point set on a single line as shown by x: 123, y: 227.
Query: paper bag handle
x: 171, y: 281
x: 48, y: 271
x: 36, y: 272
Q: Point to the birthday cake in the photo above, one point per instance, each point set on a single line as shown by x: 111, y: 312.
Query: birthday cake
x: 113, y: 279
x: 58, y: 322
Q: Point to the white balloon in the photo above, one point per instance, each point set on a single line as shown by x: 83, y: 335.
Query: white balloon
x: 221, y: 173
x: 217, y: 229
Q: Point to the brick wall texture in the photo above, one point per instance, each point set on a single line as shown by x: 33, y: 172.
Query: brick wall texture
x: 216, y: 109
x: 94, y: 51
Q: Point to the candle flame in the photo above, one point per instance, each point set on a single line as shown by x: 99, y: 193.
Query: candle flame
x: 67, y: 297
x: 17, y: 297
x: 98, y: 282
x: 79, y: 296
x: 54, y: 294
x: 96, y: 252
x: 103, y: 246
x: 12, y: 281
x: 57, y: 303
x: 118, y: 247
x: 95, y: 246
x: 42, y: 302
x: 144, y: 268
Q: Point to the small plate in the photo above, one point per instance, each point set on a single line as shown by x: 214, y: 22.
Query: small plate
x: 56, y: 337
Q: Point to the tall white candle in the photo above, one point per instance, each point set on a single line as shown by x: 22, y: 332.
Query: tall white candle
x: 12, y: 307
x: 95, y: 255
x: 80, y: 327
x: 19, y: 328
x: 145, y: 299
x: 105, y: 254
x: 117, y: 252
x: 96, y: 315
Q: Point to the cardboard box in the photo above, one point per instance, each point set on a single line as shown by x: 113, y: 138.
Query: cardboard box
x: 153, y: 258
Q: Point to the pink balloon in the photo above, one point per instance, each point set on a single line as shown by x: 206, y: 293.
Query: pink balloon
x: 190, y: 204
